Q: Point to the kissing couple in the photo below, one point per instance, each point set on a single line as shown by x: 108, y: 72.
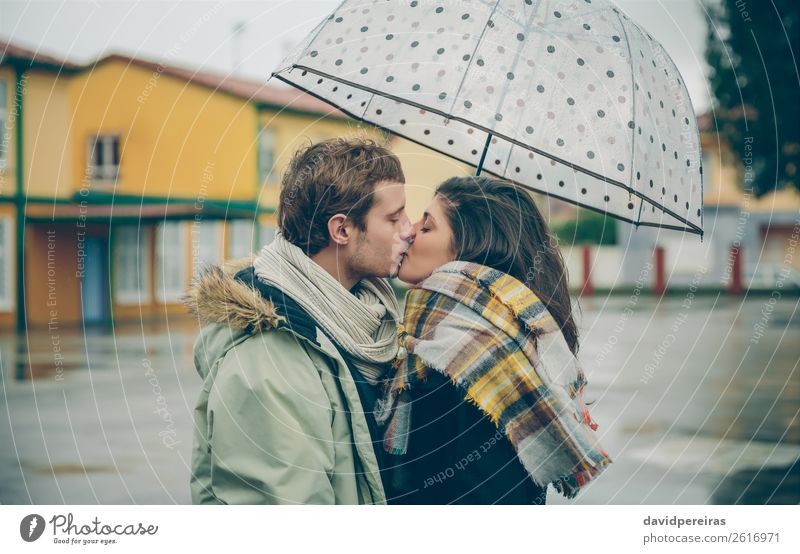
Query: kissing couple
x: 319, y: 388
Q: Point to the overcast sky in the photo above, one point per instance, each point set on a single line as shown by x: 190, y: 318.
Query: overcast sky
x: 199, y: 34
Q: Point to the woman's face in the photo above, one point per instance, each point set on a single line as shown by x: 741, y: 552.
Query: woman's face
x: 431, y: 247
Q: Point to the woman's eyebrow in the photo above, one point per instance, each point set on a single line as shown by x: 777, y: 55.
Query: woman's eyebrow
x: 427, y: 215
x: 398, y: 210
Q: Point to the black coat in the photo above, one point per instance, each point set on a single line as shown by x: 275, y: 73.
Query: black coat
x: 456, y: 455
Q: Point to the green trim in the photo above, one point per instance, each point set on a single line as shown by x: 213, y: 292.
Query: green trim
x: 46, y: 200
x: 126, y: 219
x: 102, y: 198
x: 19, y: 203
x: 112, y: 277
x: 211, y: 209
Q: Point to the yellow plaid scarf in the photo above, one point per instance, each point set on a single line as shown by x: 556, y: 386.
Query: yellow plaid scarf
x: 496, y: 341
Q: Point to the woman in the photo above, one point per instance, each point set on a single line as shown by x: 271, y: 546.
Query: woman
x: 486, y: 406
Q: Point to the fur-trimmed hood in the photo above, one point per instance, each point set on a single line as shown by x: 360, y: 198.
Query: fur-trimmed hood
x: 217, y: 296
x: 271, y: 378
x: 228, y: 309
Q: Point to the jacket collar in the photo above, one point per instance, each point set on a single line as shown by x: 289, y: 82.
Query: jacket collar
x: 232, y: 295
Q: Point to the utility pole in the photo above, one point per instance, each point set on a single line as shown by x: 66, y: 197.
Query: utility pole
x: 236, y: 43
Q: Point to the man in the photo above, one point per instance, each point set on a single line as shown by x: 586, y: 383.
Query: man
x: 293, y: 344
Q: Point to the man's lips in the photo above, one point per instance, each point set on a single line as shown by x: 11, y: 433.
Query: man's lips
x: 403, y: 256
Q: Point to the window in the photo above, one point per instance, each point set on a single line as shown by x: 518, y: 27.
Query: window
x: 266, y: 154
x: 4, y: 134
x: 171, y: 260
x: 104, y: 157
x: 132, y: 264
x: 6, y: 264
x: 266, y: 234
x: 708, y: 171
x: 240, y: 239
x: 206, y: 245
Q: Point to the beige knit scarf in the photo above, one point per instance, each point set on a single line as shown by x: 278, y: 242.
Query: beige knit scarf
x: 363, y: 322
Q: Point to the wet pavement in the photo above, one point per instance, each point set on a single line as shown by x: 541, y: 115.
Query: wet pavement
x: 697, y: 399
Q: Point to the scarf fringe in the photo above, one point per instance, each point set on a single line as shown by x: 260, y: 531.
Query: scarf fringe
x: 570, y: 485
x: 494, y: 417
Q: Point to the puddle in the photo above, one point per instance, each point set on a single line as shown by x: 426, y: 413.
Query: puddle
x: 772, y: 485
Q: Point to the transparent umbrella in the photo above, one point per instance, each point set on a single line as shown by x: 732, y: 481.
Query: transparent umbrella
x: 570, y: 98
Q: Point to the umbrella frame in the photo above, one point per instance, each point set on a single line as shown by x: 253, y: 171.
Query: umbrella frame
x: 691, y: 228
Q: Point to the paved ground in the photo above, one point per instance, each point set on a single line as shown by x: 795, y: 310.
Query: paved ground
x: 697, y: 400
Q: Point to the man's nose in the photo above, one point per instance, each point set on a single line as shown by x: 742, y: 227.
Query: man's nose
x: 407, y: 232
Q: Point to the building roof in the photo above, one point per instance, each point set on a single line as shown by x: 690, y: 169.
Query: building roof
x: 268, y: 95
x: 263, y: 93
x: 14, y: 53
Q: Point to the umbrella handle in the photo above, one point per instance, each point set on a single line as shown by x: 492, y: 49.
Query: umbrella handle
x: 483, y: 154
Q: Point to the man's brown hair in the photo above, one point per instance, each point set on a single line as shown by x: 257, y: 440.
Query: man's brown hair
x: 334, y: 176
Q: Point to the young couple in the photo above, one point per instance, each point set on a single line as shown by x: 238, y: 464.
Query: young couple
x: 317, y: 389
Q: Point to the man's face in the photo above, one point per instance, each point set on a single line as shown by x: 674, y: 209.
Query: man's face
x: 378, y: 250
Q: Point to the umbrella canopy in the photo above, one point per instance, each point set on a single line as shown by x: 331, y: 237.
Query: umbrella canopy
x: 570, y: 98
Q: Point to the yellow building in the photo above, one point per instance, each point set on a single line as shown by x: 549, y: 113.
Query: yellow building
x: 134, y: 174
x: 34, y: 120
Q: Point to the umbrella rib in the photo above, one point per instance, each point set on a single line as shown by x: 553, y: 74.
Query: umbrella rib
x: 318, y: 29
x: 477, y: 45
x: 633, y: 114
x: 513, y: 68
x: 402, y: 100
x: 586, y: 206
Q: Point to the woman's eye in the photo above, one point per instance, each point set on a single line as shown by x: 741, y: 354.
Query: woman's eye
x: 424, y: 230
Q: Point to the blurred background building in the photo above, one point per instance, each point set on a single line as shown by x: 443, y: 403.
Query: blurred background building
x: 122, y: 177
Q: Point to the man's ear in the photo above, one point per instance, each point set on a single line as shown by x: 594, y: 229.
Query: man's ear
x: 339, y: 229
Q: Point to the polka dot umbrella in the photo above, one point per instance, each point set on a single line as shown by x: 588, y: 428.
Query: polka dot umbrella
x: 570, y: 98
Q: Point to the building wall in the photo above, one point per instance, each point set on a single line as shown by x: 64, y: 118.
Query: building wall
x: 47, y: 115
x: 291, y: 131
x: 178, y: 139
x: 424, y: 170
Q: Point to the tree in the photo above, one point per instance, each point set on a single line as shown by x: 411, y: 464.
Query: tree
x: 752, y: 49
x: 587, y: 227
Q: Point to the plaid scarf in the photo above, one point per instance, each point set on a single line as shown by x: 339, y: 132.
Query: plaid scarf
x: 495, y: 340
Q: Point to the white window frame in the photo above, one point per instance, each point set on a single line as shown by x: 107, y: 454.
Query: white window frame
x: 7, y: 262
x: 240, y: 238
x: 127, y: 239
x: 5, y: 137
x: 206, y: 245
x: 171, y: 260
x: 266, y: 232
x: 106, y: 172
x: 266, y: 155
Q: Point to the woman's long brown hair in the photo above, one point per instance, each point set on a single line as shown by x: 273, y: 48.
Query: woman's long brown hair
x: 497, y: 224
